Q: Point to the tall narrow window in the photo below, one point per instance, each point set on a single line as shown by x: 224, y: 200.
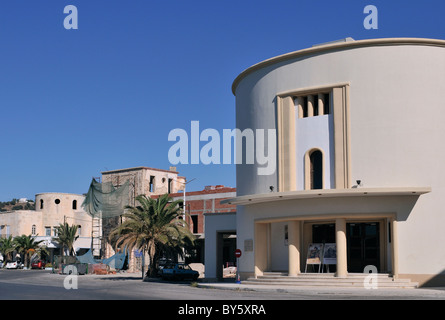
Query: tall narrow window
x: 195, y: 223
x: 305, y: 108
x: 41, y: 203
x: 316, y: 169
x: 33, y: 230
x: 170, y: 185
x: 74, y: 204
x: 152, y: 184
x: 326, y: 104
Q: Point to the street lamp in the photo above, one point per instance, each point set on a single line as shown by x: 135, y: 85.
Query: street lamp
x: 184, y: 204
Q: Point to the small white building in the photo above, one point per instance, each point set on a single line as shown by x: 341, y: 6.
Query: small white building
x: 360, y: 127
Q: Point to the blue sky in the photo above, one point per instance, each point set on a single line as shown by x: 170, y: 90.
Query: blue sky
x: 74, y: 103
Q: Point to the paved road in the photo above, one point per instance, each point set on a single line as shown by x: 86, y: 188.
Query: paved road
x: 43, y: 285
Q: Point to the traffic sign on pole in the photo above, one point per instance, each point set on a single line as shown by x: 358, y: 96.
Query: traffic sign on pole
x: 238, y: 253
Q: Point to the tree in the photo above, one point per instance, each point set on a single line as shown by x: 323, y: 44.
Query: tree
x: 27, y: 246
x: 7, y: 247
x: 153, y: 227
x: 66, y: 236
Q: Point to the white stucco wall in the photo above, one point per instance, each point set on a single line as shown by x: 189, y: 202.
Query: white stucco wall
x: 215, y: 223
x: 397, y: 94
x: 315, y: 132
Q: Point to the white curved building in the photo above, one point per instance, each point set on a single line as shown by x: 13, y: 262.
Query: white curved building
x: 360, y: 127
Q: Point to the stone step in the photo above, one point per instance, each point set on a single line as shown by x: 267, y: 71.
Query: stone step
x: 279, y: 275
x: 324, y: 281
x: 329, y: 280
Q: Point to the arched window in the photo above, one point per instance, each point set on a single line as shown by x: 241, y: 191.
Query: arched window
x: 33, y: 230
x: 313, y: 169
x: 316, y: 169
x: 74, y: 204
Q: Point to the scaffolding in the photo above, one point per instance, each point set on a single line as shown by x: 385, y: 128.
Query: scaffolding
x: 104, y: 201
x: 96, y: 236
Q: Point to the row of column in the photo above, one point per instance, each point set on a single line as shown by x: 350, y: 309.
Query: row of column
x: 315, y: 105
x: 294, y: 246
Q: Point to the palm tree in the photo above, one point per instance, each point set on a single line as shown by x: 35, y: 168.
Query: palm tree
x: 66, y: 236
x: 153, y: 227
x: 27, y: 246
x: 7, y: 247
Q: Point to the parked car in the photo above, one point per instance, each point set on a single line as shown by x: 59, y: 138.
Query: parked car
x: 161, y: 264
x: 14, y: 265
x: 179, y: 271
x: 38, y: 264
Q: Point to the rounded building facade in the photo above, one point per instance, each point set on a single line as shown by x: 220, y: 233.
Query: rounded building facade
x: 57, y: 208
x: 359, y: 125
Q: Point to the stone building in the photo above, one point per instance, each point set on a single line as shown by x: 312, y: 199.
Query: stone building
x: 52, y: 209
x: 142, y: 181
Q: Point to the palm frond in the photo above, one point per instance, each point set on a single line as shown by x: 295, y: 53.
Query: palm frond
x: 153, y: 226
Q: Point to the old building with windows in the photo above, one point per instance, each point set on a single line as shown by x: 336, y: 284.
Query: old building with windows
x: 213, y: 225
x: 359, y: 127
x: 52, y: 209
x: 145, y: 180
x: 141, y: 181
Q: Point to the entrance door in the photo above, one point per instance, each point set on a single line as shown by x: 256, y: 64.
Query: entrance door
x: 363, y: 246
x: 225, y: 252
x: 324, y: 233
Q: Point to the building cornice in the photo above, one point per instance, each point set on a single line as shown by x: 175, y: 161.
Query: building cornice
x: 137, y: 169
x: 326, y: 193
x: 334, y: 46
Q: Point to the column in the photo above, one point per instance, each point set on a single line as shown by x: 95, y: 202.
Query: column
x: 394, y: 248
x: 299, y: 101
x: 321, y: 104
x: 261, y: 249
x: 293, y: 230
x: 287, y: 176
x: 310, y: 105
x: 340, y: 239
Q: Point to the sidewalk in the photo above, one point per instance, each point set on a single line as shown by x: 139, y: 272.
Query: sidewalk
x: 340, y: 292
x: 306, y: 292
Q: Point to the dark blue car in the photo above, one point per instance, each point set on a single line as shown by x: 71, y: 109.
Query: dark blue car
x: 179, y: 271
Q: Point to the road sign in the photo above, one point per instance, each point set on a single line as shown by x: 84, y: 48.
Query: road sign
x: 238, y: 253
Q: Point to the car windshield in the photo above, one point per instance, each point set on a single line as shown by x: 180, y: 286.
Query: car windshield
x: 184, y: 266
